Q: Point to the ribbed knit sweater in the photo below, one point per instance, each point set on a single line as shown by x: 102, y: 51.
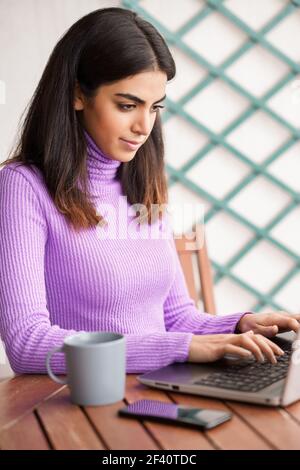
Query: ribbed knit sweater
x: 55, y: 282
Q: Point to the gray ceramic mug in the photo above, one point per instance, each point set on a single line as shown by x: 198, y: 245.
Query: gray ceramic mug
x: 96, y: 367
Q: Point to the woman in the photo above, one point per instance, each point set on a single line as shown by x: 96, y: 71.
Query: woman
x: 73, y: 257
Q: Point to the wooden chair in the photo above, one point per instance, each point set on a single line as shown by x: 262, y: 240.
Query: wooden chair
x: 189, y: 247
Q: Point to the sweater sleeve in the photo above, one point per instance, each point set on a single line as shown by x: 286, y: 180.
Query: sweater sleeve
x: 25, y: 325
x: 24, y: 318
x: 181, y: 314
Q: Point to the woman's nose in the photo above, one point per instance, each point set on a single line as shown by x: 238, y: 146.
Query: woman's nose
x: 143, y: 124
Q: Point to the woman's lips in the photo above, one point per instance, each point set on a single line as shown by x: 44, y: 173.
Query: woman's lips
x: 130, y: 145
x: 134, y: 142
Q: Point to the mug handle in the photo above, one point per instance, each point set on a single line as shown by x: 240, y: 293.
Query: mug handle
x: 50, y: 373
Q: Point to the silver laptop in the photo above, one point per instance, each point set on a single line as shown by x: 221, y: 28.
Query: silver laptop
x: 232, y: 378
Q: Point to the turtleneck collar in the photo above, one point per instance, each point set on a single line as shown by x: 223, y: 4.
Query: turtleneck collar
x: 101, y: 167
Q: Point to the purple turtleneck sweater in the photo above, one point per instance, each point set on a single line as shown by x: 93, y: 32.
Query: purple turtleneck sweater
x: 55, y: 282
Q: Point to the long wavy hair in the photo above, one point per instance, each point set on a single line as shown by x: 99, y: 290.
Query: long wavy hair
x: 106, y: 45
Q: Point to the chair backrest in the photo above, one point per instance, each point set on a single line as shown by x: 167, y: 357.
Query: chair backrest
x: 189, y: 247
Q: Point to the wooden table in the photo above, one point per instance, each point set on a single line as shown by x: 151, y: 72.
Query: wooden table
x: 36, y: 413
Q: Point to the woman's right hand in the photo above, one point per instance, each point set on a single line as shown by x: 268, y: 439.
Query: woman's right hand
x: 209, y: 348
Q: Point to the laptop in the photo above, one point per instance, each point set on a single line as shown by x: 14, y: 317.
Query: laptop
x: 232, y: 378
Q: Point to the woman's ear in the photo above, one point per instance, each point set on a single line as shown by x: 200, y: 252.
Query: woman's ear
x: 78, y: 98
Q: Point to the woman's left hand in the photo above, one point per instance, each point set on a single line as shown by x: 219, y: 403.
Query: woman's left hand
x: 269, y: 324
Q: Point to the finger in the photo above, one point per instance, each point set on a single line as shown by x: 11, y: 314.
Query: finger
x: 277, y: 350
x: 246, y: 341
x: 267, y: 349
x: 268, y: 331
x: 291, y: 324
x: 236, y: 350
x: 292, y: 315
x: 285, y: 322
x: 295, y: 316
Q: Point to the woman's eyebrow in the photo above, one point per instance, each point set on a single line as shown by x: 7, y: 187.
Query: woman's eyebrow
x: 136, y: 99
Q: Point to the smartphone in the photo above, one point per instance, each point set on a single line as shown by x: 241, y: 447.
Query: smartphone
x: 179, y: 414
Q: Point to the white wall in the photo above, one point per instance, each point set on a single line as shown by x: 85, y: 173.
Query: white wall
x: 29, y: 30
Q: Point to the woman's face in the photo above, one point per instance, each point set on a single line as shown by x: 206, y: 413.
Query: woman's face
x: 109, y: 117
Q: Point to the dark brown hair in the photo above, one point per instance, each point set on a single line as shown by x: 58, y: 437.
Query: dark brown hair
x: 104, y: 46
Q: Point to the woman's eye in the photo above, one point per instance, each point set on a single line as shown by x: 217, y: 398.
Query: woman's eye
x: 158, y: 107
x: 127, y: 107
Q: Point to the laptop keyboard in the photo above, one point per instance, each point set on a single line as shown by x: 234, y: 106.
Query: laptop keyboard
x: 249, y: 377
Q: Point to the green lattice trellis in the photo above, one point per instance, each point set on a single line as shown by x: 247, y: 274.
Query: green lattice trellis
x: 219, y: 72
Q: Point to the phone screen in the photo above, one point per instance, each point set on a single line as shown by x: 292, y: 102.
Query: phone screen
x: 203, y: 418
